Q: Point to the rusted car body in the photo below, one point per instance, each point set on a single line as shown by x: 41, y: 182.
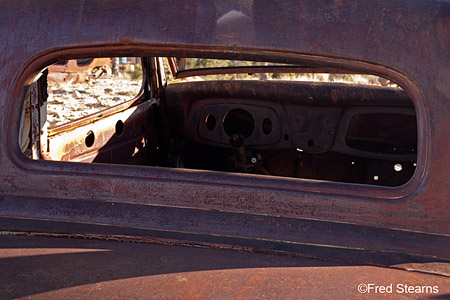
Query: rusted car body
x: 79, y: 70
x: 205, y: 234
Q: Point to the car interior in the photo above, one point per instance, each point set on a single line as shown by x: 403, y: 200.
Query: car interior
x: 255, y: 117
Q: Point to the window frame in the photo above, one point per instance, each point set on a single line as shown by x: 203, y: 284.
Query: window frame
x: 54, y: 168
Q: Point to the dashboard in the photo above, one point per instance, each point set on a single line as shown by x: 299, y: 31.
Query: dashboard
x: 365, y: 121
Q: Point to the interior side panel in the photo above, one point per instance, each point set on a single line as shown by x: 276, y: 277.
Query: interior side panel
x: 125, y: 137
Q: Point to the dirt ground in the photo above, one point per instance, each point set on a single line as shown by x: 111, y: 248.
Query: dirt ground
x: 67, y: 101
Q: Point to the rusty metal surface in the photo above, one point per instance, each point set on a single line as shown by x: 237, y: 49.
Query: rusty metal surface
x: 71, y: 71
x: 35, y: 121
x: 297, y: 109
x: 321, y: 94
x: 256, y: 69
x: 109, y: 145
x: 405, y: 41
x: 112, y: 270
x: 294, y: 235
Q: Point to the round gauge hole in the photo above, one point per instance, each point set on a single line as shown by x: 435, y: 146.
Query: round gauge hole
x: 267, y: 126
x: 310, y: 143
x: 210, y: 122
x: 119, y: 127
x: 238, y: 121
x: 90, y: 139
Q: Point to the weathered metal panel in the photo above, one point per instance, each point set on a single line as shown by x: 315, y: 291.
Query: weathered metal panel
x: 92, y: 269
x: 404, y: 40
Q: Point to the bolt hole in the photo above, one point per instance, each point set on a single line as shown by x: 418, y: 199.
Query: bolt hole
x: 286, y: 137
x: 90, y: 139
x: 119, y: 127
x: 267, y: 126
x: 398, y: 167
x: 210, y: 122
x: 310, y: 143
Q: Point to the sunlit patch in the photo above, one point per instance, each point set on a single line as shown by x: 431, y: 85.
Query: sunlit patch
x: 26, y: 252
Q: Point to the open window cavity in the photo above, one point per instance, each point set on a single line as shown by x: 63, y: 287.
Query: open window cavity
x: 264, y: 118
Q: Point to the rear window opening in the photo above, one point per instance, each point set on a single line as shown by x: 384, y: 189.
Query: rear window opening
x: 265, y: 118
